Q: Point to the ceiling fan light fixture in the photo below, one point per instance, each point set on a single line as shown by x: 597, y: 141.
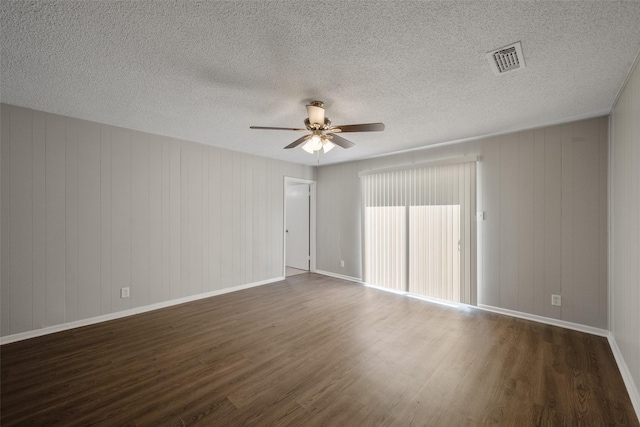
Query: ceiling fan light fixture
x: 327, y: 145
x: 308, y: 147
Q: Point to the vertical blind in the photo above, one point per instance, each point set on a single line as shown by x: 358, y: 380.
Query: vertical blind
x: 419, y: 230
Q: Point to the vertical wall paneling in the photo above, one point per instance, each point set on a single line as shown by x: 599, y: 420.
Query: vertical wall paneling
x: 248, y: 238
x: 237, y: 197
x: 88, y: 209
x: 194, y: 220
x: 140, y: 233
x: 491, y: 224
x: 120, y: 217
x: 567, y: 210
x: 20, y: 222
x: 175, y: 201
x: 55, y: 219
x: 165, y: 214
x: 472, y: 241
x: 89, y: 243
x: 585, y: 222
x: 351, y: 221
x: 269, y: 214
x: 226, y: 217
x: 553, y: 218
x: 533, y: 188
x: 155, y: 219
x: 276, y: 201
x: 204, y: 257
x: 625, y: 228
x: 184, y: 218
x: 5, y: 316
x: 105, y: 220
x: 39, y: 200
x: 509, y: 197
x: 603, y: 226
x: 214, y: 219
x: 71, y: 216
x: 259, y: 220
x: 539, y: 296
x: 526, y: 229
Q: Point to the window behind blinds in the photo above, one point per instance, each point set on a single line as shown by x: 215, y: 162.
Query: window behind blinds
x: 419, y: 230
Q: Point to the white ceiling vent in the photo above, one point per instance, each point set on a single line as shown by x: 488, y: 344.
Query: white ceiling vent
x: 505, y: 59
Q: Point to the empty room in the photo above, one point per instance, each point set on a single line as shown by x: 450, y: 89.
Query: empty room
x: 394, y: 213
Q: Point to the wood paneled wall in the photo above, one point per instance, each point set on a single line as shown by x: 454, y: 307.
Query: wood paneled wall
x: 89, y: 208
x: 544, y: 194
x: 625, y: 227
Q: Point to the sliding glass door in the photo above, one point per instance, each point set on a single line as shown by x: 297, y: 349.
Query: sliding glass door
x: 434, y: 251
x: 419, y: 232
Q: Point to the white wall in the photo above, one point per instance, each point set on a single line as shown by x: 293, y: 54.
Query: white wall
x: 90, y: 208
x: 544, y: 193
x: 625, y: 227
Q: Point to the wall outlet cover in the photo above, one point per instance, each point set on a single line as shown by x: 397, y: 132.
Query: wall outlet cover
x: 124, y: 293
x: 556, y: 300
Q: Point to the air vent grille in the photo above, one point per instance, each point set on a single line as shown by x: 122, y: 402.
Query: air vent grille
x: 505, y: 59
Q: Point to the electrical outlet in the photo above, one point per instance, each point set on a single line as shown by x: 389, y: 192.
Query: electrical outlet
x: 342, y: 263
x: 556, y: 300
x: 124, y: 292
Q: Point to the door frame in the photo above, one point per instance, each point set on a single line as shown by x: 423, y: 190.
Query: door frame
x: 312, y: 222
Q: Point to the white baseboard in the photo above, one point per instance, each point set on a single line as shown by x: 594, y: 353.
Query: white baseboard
x: 339, y: 276
x: 632, y: 387
x: 125, y: 313
x: 547, y: 320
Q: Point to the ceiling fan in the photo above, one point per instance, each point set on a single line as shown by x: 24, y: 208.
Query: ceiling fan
x: 323, y: 136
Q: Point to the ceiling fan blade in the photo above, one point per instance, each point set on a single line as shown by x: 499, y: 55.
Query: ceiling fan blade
x: 338, y: 140
x: 298, y: 141
x: 365, y: 127
x: 272, y: 128
x: 316, y: 114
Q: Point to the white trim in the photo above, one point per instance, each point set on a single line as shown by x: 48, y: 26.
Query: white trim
x: 479, y: 137
x: 442, y: 162
x: 632, y: 388
x: 439, y: 301
x: 512, y: 313
x: 312, y: 221
x: 546, y: 320
x: 383, y: 289
x: 636, y: 61
x: 339, y: 276
x: 131, y: 312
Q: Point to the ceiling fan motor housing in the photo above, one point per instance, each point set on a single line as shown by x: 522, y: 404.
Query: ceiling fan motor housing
x: 315, y: 126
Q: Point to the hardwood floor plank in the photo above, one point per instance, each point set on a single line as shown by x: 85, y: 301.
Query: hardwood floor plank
x: 313, y: 350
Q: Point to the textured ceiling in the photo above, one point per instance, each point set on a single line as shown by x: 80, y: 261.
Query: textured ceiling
x: 206, y: 71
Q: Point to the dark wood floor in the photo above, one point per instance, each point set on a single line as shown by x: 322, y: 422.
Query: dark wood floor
x: 313, y: 351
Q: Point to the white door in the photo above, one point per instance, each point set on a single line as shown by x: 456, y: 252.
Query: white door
x: 297, y: 227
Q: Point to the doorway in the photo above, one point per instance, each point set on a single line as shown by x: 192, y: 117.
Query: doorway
x: 299, y: 235
x: 419, y: 232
